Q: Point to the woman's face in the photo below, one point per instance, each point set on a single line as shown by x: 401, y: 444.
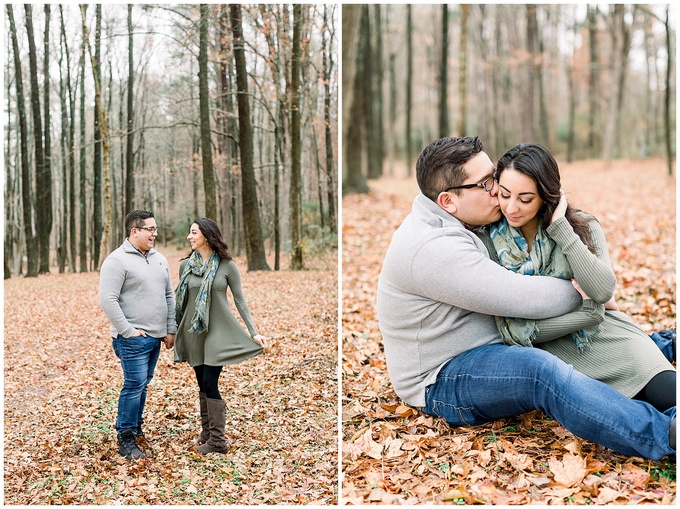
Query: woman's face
x: 196, y: 238
x: 518, y: 198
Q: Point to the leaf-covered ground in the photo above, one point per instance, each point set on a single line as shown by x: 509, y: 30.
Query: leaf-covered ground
x: 62, y: 381
x: 392, y: 453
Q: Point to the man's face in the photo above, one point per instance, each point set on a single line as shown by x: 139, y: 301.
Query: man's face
x: 142, y: 238
x: 476, y: 206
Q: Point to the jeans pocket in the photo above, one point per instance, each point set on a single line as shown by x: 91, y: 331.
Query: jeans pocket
x: 454, y: 415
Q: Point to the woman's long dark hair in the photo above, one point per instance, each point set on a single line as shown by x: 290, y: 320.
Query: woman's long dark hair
x: 212, y: 235
x: 537, y: 162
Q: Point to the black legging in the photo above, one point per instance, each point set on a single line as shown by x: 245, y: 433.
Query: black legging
x: 207, y: 377
x: 659, y: 391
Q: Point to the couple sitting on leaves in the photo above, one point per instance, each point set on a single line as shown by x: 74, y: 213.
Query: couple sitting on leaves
x: 493, y: 260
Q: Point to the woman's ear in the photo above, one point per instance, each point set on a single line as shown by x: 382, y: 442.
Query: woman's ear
x: 447, y: 202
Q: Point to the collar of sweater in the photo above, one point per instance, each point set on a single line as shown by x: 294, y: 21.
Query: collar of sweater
x: 129, y: 248
x: 438, y: 216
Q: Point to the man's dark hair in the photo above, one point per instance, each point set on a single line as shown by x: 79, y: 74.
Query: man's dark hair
x: 135, y: 219
x: 440, y: 164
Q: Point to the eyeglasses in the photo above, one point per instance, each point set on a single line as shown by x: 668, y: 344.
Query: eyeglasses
x: 486, y: 184
x: 151, y: 229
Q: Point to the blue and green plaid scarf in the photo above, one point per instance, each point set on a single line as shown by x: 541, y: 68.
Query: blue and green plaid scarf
x: 201, y: 318
x: 545, y: 259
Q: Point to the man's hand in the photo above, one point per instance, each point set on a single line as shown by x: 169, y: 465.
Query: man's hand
x: 138, y: 333
x: 169, y: 341
x: 579, y: 289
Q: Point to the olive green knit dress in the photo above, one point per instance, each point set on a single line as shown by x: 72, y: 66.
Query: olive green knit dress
x: 225, y: 341
x: 621, y: 354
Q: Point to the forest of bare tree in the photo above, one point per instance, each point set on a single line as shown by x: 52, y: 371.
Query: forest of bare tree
x: 588, y: 81
x: 224, y: 111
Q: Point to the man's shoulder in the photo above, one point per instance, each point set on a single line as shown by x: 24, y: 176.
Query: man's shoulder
x: 115, y: 256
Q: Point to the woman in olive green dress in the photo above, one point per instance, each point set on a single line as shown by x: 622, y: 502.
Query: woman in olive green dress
x: 540, y: 233
x: 208, y: 335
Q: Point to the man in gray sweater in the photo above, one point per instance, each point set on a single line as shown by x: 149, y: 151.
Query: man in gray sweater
x: 136, y: 294
x: 438, y: 294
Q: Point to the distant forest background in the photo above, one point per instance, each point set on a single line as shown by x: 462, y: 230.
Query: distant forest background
x: 224, y: 111
x: 587, y: 81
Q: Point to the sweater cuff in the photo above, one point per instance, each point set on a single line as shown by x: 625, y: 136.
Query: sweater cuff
x: 561, y: 231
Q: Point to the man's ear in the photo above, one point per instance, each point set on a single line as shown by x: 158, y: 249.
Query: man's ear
x: 447, y: 202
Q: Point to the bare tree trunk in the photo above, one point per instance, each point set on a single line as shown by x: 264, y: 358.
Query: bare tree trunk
x: 274, y: 46
x: 204, y: 107
x: 409, y: 87
x: 10, y: 203
x: 543, y: 134
x: 351, y: 22
x: 98, y: 140
x: 379, y: 143
x: 105, y: 235
x: 593, y: 81
x: 530, y: 97
x: 45, y: 195
x: 502, y: 89
x: 129, y: 147
x: 330, y: 165
x: 71, y: 150
x: 31, y: 241
x: 83, y: 176
x: 462, y: 83
x: 42, y: 185
x: 444, y: 75
x: 255, y: 253
x: 372, y: 84
x: 667, y: 96
x: 296, y: 262
x: 621, y: 40
x: 354, y: 180
x: 392, y: 115
x: 62, y: 198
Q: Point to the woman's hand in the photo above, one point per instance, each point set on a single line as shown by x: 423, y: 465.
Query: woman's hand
x: 611, y: 305
x: 579, y: 289
x: 561, y: 209
x: 260, y: 340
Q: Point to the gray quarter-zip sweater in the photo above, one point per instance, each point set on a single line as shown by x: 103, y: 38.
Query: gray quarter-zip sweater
x: 439, y: 291
x: 135, y: 292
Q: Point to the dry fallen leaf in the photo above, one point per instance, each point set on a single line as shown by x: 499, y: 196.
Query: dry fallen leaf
x: 570, y: 471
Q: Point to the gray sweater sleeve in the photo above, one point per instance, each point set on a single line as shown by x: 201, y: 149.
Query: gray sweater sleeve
x: 170, y: 300
x: 592, y: 271
x: 474, y: 282
x: 111, y: 279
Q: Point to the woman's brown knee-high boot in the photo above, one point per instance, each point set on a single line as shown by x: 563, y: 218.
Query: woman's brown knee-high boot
x: 216, y: 420
x: 205, y: 426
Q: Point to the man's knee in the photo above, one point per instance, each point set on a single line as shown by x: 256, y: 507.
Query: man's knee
x: 136, y: 381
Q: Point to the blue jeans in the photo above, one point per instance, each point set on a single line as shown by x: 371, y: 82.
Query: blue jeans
x: 497, y: 381
x: 138, y: 357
